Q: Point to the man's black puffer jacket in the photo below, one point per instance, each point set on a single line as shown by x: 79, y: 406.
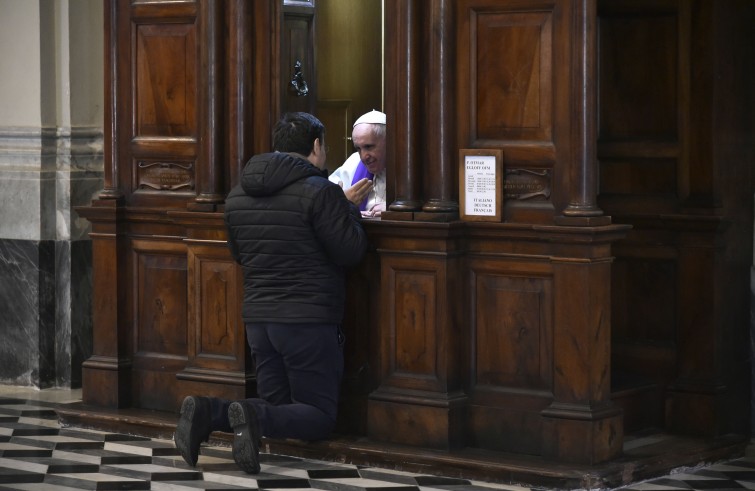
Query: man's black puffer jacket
x: 293, y: 232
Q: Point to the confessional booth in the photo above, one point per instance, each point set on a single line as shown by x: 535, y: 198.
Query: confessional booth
x: 601, y: 295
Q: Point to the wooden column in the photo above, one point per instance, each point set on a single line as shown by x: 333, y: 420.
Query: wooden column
x: 211, y: 96
x: 239, y: 18
x: 420, y: 400
x: 440, y: 157
x: 402, y: 93
x: 581, y: 425
x: 106, y: 375
x: 112, y: 186
x: 583, y: 170
x: 265, y: 95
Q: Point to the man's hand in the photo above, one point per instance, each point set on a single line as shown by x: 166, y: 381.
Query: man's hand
x: 359, y: 191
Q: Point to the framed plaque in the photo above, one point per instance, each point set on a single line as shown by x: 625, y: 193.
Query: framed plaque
x: 480, y: 184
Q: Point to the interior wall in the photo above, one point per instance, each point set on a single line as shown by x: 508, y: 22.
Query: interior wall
x: 51, y: 160
x: 349, y: 61
x: 19, y: 44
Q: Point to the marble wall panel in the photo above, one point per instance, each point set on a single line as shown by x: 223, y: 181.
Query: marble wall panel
x: 45, y: 252
x: 80, y: 310
x: 20, y: 213
x: 26, y: 270
x: 45, y: 294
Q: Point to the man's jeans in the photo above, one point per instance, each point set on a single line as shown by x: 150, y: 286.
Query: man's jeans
x: 299, y: 372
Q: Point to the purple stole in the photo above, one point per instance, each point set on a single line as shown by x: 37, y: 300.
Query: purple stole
x: 360, y: 173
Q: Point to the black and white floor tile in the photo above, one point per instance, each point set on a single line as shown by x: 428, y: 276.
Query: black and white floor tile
x: 36, y: 453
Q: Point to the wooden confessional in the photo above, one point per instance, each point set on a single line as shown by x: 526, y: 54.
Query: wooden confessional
x: 612, y: 297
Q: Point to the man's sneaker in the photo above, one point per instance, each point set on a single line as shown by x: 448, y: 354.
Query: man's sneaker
x: 193, y: 427
x: 246, y: 436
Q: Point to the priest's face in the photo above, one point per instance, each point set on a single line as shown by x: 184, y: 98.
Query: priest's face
x: 371, y: 147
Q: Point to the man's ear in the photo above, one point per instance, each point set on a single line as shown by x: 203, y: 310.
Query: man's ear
x: 317, y: 157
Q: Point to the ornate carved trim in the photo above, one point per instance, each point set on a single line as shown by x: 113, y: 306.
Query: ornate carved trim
x: 165, y: 176
x: 524, y: 184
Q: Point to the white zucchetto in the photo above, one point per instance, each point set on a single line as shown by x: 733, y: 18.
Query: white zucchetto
x: 374, y: 117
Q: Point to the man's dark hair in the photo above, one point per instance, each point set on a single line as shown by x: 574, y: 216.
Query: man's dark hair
x: 296, y: 132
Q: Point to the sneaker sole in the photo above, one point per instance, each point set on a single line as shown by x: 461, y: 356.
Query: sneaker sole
x: 188, y: 407
x: 245, y: 452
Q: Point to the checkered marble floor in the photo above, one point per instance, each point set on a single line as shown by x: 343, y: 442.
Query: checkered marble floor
x: 36, y: 453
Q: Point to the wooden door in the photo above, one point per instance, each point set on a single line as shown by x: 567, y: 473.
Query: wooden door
x: 297, y: 57
x: 181, y: 79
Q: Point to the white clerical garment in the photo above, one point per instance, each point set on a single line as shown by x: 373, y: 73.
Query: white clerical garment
x: 344, y: 176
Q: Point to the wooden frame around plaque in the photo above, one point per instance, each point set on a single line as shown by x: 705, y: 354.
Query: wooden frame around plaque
x: 480, y: 184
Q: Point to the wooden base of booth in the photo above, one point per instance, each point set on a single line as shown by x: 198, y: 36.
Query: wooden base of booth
x: 644, y: 456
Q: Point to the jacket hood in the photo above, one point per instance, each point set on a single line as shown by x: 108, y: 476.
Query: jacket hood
x: 267, y: 173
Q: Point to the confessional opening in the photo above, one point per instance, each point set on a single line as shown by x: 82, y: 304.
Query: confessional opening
x: 349, y: 55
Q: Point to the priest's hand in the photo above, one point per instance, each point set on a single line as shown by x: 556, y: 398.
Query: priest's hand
x: 375, y: 211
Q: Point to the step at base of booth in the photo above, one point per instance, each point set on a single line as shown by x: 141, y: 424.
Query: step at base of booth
x: 645, y: 455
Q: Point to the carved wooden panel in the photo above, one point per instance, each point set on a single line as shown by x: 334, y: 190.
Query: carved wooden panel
x: 513, y: 70
x: 506, y: 78
x: 633, y: 69
x: 410, y: 346
x: 644, y: 334
x: 160, y: 317
x: 643, y: 52
x: 513, y: 87
x: 165, y: 80
x: 215, y: 309
x: 644, y: 302
x: 511, y: 379
x: 415, y: 311
x: 157, y: 66
x: 626, y: 175
x: 160, y: 305
x: 512, y: 331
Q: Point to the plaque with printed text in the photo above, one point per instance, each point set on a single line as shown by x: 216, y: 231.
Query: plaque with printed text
x: 480, y: 184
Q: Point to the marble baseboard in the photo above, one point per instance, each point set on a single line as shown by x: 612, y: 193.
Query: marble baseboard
x: 45, y: 294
